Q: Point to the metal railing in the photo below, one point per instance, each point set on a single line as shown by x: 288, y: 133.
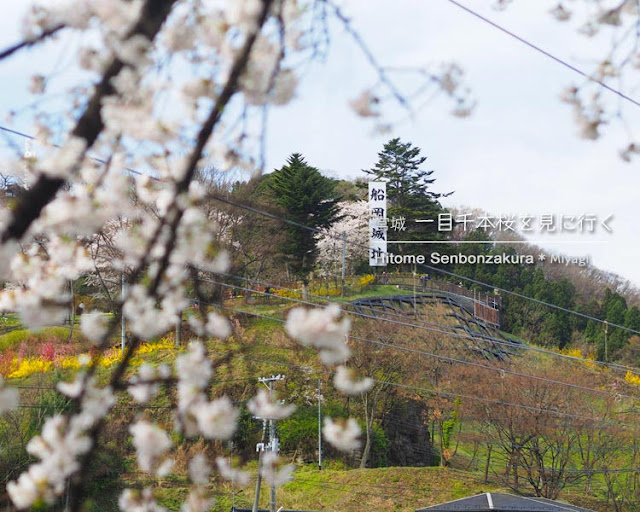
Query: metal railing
x: 484, y: 306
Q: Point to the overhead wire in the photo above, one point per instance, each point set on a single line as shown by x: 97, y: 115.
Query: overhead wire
x: 316, y: 230
x: 316, y: 297
x: 421, y: 265
x: 94, y: 158
x: 430, y: 391
x: 547, y: 54
x: 382, y: 382
x: 512, y: 345
x: 560, y: 61
x: 423, y: 325
x: 453, y: 360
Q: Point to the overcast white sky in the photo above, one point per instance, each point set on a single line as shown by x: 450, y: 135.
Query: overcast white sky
x: 518, y: 154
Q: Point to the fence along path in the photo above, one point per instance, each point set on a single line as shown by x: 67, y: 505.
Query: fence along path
x: 483, y: 306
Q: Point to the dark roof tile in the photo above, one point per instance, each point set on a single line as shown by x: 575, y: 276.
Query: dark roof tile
x: 502, y: 502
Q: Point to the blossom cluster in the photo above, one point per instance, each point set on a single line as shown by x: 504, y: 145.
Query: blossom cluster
x: 318, y: 328
x: 62, y: 443
x: 321, y: 329
x: 196, y: 415
x: 112, y: 195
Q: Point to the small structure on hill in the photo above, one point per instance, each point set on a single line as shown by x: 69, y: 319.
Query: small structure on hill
x: 502, y: 502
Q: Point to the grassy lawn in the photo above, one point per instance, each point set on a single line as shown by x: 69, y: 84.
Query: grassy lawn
x: 13, y: 340
x: 358, y: 490
x: 375, y: 291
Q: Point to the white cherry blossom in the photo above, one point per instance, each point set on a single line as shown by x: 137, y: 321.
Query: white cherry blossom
x: 343, y: 381
x: 274, y: 471
x: 344, y: 435
x: 264, y: 407
x: 151, y: 444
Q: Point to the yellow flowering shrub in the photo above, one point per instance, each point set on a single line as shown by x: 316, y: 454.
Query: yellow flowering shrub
x: 148, y: 348
x: 632, y: 378
x: 110, y: 357
x: 323, y: 289
x: 28, y: 366
x: 576, y: 352
x: 69, y: 363
x: 326, y: 292
x: 366, y: 280
x: 288, y: 294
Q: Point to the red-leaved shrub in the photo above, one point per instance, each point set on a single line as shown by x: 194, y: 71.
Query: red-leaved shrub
x: 48, y: 351
x: 6, y: 360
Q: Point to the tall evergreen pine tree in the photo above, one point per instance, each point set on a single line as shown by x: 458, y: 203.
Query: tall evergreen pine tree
x: 409, y: 194
x: 308, y: 198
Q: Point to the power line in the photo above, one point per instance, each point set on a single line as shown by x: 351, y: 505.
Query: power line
x: 330, y: 373
x: 313, y: 296
x: 16, y: 132
x: 427, y: 328
x: 422, y: 265
x: 340, y: 238
x: 417, y: 323
x: 94, y: 158
x: 117, y: 405
x: 391, y: 421
x: 450, y: 395
x: 382, y: 382
x: 436, y: 392
x: 511, y: 345
x: 427, y: 266
x: 545, y: 53
x: 526, y: 297
x: 504, y: 30
x: 445, y: 358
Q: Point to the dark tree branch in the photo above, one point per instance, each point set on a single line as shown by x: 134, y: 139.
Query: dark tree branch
x: 30, y: 42
x: 78, y: 488
x: 88, y: 127
x: 382, y: 72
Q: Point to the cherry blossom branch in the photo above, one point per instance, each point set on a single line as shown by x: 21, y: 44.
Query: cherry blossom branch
x: 206, y: 131
x: 88, y: 127
x: 30, y: 42
x: 173, y: 217
x: 382, y: 73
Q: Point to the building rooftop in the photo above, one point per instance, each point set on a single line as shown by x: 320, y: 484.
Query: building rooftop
x: 502, y: 502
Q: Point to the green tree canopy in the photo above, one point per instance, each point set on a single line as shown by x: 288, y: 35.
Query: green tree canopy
x: 410, y: 196
x: 308, y: 198
x: 399, y: 164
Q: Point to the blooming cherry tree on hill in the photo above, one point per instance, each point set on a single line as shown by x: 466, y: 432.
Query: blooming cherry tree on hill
x: 164, y: 85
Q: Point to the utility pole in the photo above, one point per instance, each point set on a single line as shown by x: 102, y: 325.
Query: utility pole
x: 320, y: 424
x: 344, y: 261
x: 123, y: 334
x: 415, y: 307
x: 273, y: 445
x: 72, y: 312
x: 178, y: 338
x: 259, y: 449
x: 233, y: 488
x: 606, y: 350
